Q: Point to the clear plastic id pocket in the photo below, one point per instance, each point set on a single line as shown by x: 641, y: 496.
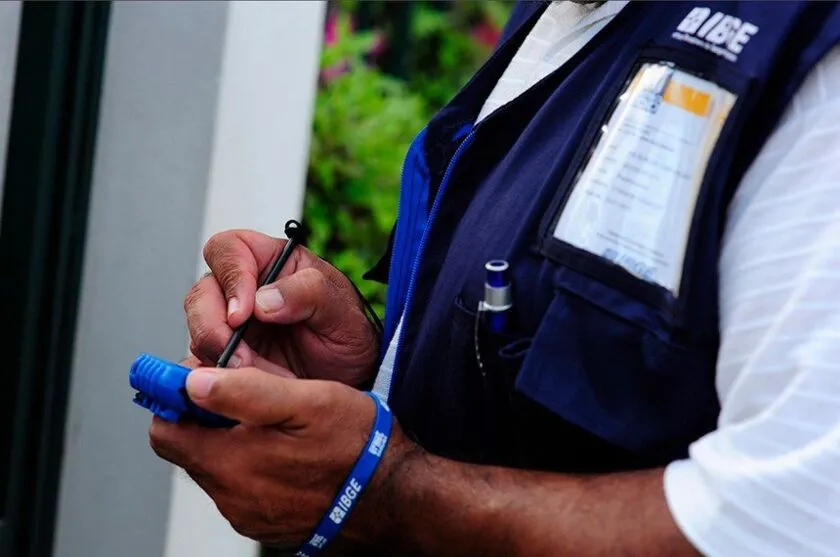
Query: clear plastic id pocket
x: 633, y: 201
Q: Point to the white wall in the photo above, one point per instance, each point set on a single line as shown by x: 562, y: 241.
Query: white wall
x: 151, y: 167
x: 9, y: 28
x: 204, y: 126
x: 260, y: 152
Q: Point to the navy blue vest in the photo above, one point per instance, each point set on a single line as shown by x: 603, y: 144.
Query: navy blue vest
x: 600, y: 370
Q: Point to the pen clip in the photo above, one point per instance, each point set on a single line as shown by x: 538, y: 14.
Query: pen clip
x: 476, y: 340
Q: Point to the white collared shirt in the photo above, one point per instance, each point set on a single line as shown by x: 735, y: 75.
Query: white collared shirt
x: 766, y: 482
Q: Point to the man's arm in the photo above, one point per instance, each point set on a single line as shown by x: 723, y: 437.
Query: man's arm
x: 430, y: 506
x: 276, y: 475
x: 767, y: 481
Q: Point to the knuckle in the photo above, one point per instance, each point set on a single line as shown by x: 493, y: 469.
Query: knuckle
x: 318, y: 289
x: 157, y: 440
x: 193, y: 296
x: 302, y: 290
x: 207, y: 338
x: 216, y: 245
x: 271, y: 510
x: 228, y: 265
x: 196, y: 349
x: 218, y: 472
x: 191, y: 361
x: 312, y: 280
x: 338, y: 280
x: 154, y: 440
x: 225, y: 261
x: 244, y: 528
x: 323, y: 399
x: 242, y: 517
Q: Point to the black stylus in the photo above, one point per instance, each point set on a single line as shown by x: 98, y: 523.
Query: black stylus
x: 294, y: 231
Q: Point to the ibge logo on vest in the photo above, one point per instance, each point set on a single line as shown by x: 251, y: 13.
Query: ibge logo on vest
x: 721, y: 34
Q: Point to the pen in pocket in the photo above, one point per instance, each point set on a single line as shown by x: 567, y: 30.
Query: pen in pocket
x: 497, y: 295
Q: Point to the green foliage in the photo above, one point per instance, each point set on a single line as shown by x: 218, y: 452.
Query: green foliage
x: 365, y: 120
x: 362, y: 123
x: 445, y: 49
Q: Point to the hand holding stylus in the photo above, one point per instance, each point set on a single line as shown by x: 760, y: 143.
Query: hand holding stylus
x: 310, y: 321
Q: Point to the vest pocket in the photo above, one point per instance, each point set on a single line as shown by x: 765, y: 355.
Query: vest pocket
x: 481, y: 372
x: 608, y: 363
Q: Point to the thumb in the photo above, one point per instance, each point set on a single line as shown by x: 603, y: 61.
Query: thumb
x: 307, y: 295
x: 250, y: 395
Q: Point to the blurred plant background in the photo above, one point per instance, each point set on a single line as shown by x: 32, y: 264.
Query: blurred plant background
x: 386, y: 68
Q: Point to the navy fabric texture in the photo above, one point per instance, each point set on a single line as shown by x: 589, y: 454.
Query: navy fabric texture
x: 600, y: 370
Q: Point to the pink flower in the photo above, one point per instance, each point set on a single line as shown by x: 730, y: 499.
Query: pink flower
x: 331, y: 28
x: 379, y: 46
x: 331, y: 37
x: 329, y: 74
x: 486, y: 34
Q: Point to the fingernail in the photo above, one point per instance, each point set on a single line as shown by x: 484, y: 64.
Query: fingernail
x: 269, y: 299
x: 233, y: 306
x: 199, y: 382
x: 235, y: 361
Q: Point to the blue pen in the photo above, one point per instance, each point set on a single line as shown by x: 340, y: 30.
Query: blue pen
x: 497, y: 295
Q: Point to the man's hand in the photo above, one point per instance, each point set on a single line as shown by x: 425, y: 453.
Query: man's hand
x: 275, y: 474
x: 310, y: 321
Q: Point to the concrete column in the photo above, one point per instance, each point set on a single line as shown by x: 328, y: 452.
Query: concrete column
x: 204, y: 125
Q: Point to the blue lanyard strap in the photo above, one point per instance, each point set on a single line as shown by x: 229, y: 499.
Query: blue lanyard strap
x: 350, y: 493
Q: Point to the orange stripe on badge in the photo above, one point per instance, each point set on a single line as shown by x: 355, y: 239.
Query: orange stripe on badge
x: 687, y: 98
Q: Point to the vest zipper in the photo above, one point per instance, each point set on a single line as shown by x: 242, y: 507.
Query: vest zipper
x: 409, y: 298
x: 393, y: 325
x: 573, y: 62
x: 439, y: 196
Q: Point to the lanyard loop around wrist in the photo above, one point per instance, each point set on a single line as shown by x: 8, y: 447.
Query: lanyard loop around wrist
x: 353, y: 487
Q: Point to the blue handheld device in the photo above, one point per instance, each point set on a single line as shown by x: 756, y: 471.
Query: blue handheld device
x: 162, y: 385
x: 162, y: 388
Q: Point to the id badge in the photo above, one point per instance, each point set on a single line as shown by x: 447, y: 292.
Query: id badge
x: 633, y: 201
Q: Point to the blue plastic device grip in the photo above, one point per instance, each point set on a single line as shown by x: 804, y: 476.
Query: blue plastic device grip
x: 162, y: 388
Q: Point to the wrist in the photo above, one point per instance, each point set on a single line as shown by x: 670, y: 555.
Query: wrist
x: 435, y: 506
x: 374, y: 526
